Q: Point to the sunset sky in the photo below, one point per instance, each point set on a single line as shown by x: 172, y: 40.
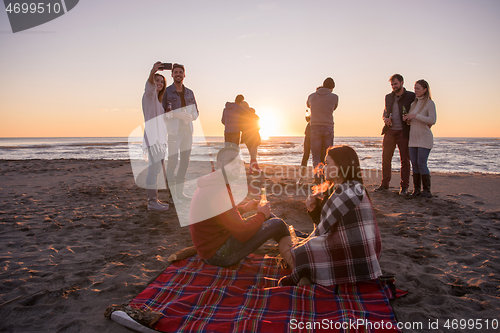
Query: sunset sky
x: 83, y: 74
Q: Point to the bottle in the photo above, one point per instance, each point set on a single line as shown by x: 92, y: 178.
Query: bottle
x: 263, y: 197
x: 293, y: 235
x: 404, y: 110
x: 390, y: 117
x: 308, y: 115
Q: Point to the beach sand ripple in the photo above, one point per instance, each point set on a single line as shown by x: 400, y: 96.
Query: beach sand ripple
x: 76, y: 237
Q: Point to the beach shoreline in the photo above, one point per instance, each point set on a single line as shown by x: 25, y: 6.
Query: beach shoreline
x: 76, y: 237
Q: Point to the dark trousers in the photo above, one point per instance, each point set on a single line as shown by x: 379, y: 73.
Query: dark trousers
x: 232, y: 137
x: 179, y: 151
x: 307, y: 150
x: 321, y: 139
x: 392, y: 139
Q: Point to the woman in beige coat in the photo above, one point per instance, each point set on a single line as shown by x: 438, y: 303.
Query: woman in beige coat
x: 421, y: 117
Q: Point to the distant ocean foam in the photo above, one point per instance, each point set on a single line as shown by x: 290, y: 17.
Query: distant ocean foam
x: 448, y: 155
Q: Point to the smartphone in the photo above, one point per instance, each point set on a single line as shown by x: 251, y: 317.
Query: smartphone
x: 166, y: 65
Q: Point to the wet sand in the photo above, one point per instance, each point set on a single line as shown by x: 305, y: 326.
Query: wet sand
x: 76, y: 237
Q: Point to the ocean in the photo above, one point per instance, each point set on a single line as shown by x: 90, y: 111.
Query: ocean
x: 469, y: 155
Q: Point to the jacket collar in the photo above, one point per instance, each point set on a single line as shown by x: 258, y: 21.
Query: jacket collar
x: 171, y: 88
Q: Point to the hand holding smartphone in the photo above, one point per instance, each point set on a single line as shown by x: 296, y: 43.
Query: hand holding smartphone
x: 166, y: 66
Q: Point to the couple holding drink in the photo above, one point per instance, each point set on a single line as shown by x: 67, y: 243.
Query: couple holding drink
x: 344, y: 247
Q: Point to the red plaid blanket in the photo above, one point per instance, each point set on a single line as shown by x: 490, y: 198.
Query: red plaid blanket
x: 196, y: 297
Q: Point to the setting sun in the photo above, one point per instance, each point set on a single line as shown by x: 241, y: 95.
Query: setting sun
x: 269, y: 123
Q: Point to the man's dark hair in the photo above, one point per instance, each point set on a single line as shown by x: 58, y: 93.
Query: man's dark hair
x: 229, y: 147
x: 239, y: 99
x: 329, y: 83
x: 398, y: 77
x: 176, y: 65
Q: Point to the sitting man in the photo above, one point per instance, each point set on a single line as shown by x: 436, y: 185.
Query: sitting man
x: 220, y: 235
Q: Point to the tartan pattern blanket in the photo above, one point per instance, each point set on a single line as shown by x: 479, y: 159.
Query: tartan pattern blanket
x: 346, y: 245
x: 195, y: 297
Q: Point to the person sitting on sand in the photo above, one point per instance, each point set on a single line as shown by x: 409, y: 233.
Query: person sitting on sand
x: 223, y: 238
x: 155, y: 134
x: 346, y: 245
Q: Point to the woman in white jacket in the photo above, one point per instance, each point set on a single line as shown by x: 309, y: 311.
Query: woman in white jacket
x: 155, y: 134
x: 421, y: 117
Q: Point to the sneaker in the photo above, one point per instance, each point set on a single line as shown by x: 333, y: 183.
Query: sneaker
x: 155, y: 205
x: 381, y: 188
x: 403, y: 191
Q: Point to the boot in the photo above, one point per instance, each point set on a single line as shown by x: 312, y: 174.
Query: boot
x: 179, y: 191
x: 416, y: 185
x: 426, y: 184
x: 153, y: 203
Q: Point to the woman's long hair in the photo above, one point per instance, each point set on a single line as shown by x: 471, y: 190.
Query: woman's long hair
x: 347, y: 162
x: 427, y: 96
x: 162, y: 91
x: 424, y: 84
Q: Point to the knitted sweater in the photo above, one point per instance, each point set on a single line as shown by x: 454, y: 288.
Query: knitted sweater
x: 420, y: 133
x: 155, y: 131
x: 322, y: 103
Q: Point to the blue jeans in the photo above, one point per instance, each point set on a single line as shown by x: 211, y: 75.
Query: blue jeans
x: 232, y: 251
x: 321, y: 139
x: 418, y: 157
x: 155, y: 164
x: 183, y: 141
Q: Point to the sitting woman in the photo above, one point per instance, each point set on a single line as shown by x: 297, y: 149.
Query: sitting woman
x: 346, y: 245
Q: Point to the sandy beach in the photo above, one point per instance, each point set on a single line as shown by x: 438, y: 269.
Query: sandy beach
x: 76, y: 237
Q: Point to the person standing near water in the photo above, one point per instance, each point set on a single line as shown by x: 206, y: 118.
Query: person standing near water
x: 307, y: 147
x: 421, y: 117
x: 155, y: 134
x: 396, y: 132
x: 250, y: 136
x: 180, y: 105
x: 322, y: 104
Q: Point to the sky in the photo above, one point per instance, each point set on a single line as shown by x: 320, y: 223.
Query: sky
x: 83, y: 74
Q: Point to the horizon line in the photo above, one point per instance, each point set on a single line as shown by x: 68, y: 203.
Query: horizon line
x: 221, y: 136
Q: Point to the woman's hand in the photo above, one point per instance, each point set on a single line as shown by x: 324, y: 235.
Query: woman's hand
x: 156, y: 67
x: 409, y: 116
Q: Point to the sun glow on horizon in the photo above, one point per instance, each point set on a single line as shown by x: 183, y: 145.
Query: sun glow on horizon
x: 269, y: 123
